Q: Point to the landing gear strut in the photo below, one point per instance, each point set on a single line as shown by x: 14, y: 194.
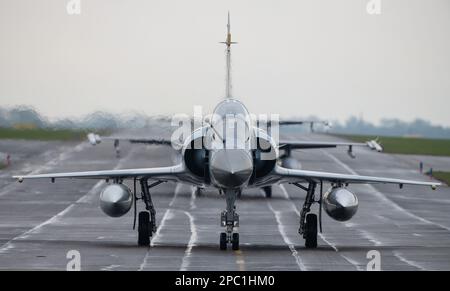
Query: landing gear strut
x: 268, y: 191
x: 308, y: 221
x: 229, y: 219
x: 146, y: 219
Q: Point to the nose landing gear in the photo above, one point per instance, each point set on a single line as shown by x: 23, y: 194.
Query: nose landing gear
x: 229, y: 219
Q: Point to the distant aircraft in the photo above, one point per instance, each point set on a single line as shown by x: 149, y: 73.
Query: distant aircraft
x: 230, y: 153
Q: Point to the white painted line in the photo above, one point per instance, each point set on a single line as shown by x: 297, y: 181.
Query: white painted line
x: 177, y: 189
x: 368, y: 236
x: 383, y: 197
x: 286, y: 239
x: 285, y: 193
x: 409, y: 262
x: 110, y: 268
x: 192, y: 242
x: 193, y: 197
x: 167, y: 216
x: 283, y: 234
x: 61, y: 157
x: 333, y: 246
x: 354, y: 263
x: 57, y: 217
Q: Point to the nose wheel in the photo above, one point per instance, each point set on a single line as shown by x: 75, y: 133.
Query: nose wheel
x: 224, y: 240
x: 229, y: 219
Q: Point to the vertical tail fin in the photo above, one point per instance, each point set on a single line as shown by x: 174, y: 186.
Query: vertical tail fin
x: 228, y: 44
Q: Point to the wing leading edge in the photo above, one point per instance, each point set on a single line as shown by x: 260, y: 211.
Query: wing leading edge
x: 294, y: 175
x: 172, y: 173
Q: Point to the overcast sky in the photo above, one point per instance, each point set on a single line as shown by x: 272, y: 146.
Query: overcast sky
x: 297, y: 58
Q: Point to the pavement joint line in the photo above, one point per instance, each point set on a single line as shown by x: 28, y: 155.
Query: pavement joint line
x: 286, y: 239
x: 55, y: 218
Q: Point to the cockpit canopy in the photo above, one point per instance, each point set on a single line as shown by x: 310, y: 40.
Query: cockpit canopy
x: 230, y: 123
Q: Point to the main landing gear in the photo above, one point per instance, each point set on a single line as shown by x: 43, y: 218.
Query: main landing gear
x: 229, y: 219
x: 309, y: 221
x: 146, y: 219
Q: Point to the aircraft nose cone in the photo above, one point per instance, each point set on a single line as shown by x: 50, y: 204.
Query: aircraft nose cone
x: 231, y: 168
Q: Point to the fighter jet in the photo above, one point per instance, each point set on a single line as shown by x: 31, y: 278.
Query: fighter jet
x: 231, y: 153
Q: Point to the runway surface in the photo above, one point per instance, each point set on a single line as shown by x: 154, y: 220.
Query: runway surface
x: 40, y: 222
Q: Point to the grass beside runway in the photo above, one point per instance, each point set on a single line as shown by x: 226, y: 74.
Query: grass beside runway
x: 42, y: 134
x: 442, y: 176
x: 407, y: 145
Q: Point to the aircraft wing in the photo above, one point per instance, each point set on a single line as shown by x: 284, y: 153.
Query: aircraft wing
x: 316, y: 145
x: 297, y: 122
x: 96, y: 139
x: 292, y: 145
x: 172, y: 173
x: 293, y: 176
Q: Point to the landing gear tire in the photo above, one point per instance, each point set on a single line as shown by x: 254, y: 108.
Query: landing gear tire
x: 268, y: 191
x: 144, y: 230
x: 311, y: 231
x: 223, y: 241
x: 235, y: 242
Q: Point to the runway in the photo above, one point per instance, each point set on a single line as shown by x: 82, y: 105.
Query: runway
x: 40, y: 222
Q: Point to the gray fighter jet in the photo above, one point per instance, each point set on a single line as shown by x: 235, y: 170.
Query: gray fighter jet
x: 231, y: 152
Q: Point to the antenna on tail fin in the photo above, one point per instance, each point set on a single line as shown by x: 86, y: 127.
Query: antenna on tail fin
x: 228, y: 43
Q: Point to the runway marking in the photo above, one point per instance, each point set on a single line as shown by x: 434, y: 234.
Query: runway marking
x: 110, y: 268
x: 285, y: 193
x: 383, y: 197
x: 395, y: 205
x: 354, y: 263
x: 61, y: 157
x: 369, y: 237
x: 411, y: 263
x: 8, y: 245
x: 155, y: 238
x: 286, y: 239
x: 167, y: 216
x: 193, y: 197
x: 333, y: 246
x: 177, y: 189
x: 191, y: 243
x: 240, y: 260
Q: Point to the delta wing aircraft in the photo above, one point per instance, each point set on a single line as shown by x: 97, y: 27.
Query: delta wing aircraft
x: 231, y: 153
